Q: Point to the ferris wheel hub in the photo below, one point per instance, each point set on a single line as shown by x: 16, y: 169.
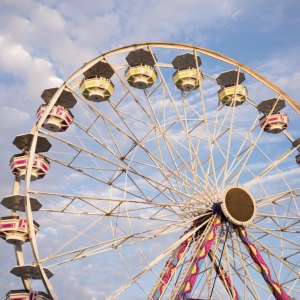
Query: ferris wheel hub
x: 238, y: 205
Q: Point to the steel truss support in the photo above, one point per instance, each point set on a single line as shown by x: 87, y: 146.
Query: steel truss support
x: 224, y: 277
x: 191, y: 271
x: 168, y: 271
x: 262, y: 267
x: 18, y: 247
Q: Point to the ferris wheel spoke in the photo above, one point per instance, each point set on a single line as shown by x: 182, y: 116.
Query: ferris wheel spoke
x: 93, y: 177
x: 153, y: 263
x: 167, y: 182
x: 163, y: 170
x: 295, y: 280
x: 95, y: 222
x: 244, y: 279
x: 289, y: 217
x: 128, y: 270
x: 242, y: 258
x: 83, y: 149
x: 158, y: 185
x: 221, y: 273
x: 148, y: 156
x: 244, y: 150
x: 175, y: 108
x: 174, y: 208
x: 270, y: 167
x: 91, y: 156
x: 232, y: 106
x: 195, y: 177
x: 104, y: 117
x: 149, y: 180
x: 218, y: 133
x: 256, y: 141
x: 120, y: 214
x: 206, y: 125
x: 117, y: 242
x: 86, y: 130
x: 206, y: 284
x: 122, y: 116
x: 227, y: 261
x: 267, y: 249
x: 177, y: 174
x: 200, y: 164
x: 192, y: 150
x: 244, y: 264
x: 184, y: 165
x: 94, y: 109
x: 148, y: 98
x: 115, y: 105
x: 222, y: 165
x: 279, y: 197
x: 275, y: 235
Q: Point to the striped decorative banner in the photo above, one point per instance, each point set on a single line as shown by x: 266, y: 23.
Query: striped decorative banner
x: 190, y: 280
x: 221, y: 273
x: 170, y: 267
x: 262, y: 267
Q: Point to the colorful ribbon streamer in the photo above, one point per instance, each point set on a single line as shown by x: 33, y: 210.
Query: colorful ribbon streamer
x: 170, y: 267
x: 221, y: 273
x: 191, y: 277
x: 262, y: 267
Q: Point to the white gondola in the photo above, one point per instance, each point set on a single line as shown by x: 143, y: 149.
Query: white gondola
x: 97, y: 89
x: 58, y: 120
x: 232, y: 93
x: 97, y: 86
x: 140, y: 73
x: 26, y: 295
x: 187, y: 77
x: 15, y: 229
x: 18, y: 165
x: 274, y: 123
x: 140, y: 77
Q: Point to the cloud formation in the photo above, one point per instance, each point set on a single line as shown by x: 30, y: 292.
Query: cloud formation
x: 44, y: 42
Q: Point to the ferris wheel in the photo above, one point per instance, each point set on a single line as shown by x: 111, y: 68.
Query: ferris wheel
x: 173, y: 166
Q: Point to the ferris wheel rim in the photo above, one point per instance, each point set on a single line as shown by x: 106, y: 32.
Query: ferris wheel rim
x: 36, y: 128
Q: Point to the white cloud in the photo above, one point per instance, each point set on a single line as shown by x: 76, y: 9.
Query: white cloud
x: 50, y: 230
x: 44, y: 41
x: 12, y: 118
x: 34, y: 73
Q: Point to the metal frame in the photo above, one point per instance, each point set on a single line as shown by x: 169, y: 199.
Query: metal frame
x: 178, y: 181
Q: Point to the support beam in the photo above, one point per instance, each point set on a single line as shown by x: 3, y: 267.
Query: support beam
x: 262, y: 267
x: 202, y: 247
x: 224, y: 277
x: 168, y: 271
x: 18, y: 247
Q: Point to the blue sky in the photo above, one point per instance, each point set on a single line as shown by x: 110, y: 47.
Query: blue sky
x: 44, y: 42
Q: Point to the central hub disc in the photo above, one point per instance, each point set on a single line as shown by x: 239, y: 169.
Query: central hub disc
x: 238, y: 205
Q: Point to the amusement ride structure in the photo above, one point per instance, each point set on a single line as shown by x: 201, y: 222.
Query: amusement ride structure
x: 169, y: 167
